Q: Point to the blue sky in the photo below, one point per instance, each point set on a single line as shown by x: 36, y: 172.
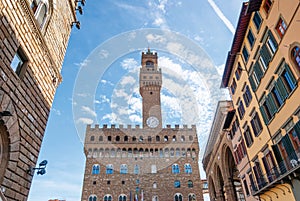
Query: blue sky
x: 100, y: 76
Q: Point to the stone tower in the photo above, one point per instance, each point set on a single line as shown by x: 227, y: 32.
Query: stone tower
x: 150, y: 85
x: 34, y: 36
x: 148, y: 163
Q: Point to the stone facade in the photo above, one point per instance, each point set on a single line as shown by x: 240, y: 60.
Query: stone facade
x: 33, y: 38
x: 150, y: 163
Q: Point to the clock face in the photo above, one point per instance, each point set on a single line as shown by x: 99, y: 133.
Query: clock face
x: 152, y: 122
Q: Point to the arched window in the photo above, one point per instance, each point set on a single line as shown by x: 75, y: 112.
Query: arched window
x: 166, y: 152
x: 192, y: 197
x: 153, y: 169
x: 190, y: 184
x: 123, y: 169
x: 183, y: 152
x: 166, y: 138
x: 100, y: 138
x: 112, y: 152
x: 174, y: 138
x: 149, y: 63
x: 133, y: 138
x: 296, y: 56
x: 109, y: 169
x: 182, y: 138
x: 190, y: 138
x: 92, y: 138
x: 176, y: 184
x: 172, y: 152
x: 90, y: 153
x: 122, y: 198
x: 136, y: 169
x: 92, y: 198
x: 161, y: 153
x: 155, y: 198
x: 157, y: 138
x: 117, y: 138
x: 175, y: 169
x: 40, y: 10
x: 188, y: 168
x: 96, y: 169
x: 126, y: 138
x: 154, y: 185
x: 177, y: 152
x: 101, y: 152
x: 95, y: 153
x: 178, y: 197
x: 107, y: 198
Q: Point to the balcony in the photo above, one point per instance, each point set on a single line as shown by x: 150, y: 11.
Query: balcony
x: 287, y: 169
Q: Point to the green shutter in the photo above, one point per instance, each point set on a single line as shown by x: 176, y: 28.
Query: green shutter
x: 266, y: 55
x: 297, y: 129
x: 289, y: 147
x: 281, y: 88
x: 264, y: 115
x: 259, y: 73
x: 271, y: 104
x: 278, y: 158
x: 288, y: 70
x: 252, y: 83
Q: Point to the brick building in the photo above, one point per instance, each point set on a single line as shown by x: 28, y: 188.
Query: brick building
x: 148, y: 163
x: 33, y: 38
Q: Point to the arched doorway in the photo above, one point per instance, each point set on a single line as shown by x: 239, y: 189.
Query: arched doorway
x: 4, y: 150
x: 212, y: 189
x: 235, y: 182
x: 221, y: 188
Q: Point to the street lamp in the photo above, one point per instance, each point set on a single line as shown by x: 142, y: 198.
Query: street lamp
x: 41, y: 170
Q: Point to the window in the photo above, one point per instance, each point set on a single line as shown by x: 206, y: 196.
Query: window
x: 241, y: 109
x: 154, y: 185
x: 40, y: 11
x: 257, y: 20
x: 192, y: 197
x: 247, y: 96
x: 233, y: 86
x: 245, y: 54
x: 108, y: 138
x: 19, y: 62
x: 109, y: 169
x: 182, y: 138
x: 248, y: 137
x: 123, y: 169
x: 188, y: 168
x: 177, y: 184
x: 153, y: 169
x: 190, y: 138
x: 157, y: 138
x: 100, y: 138
x: 296, y: 56
x: 272, y: 43
x: 288, y: 79
x: 149, y: 64
x: 267, y: 6
x: 96, y: 169
x: 136, y: 169
x: 178, y: 197
x: 107, y: 198
x: 256, y: 124
x: 190, y: 184
x: 92, y: 138
x: 281, y: 27
x: 175, y: 169
x: 92, y: 198
x: 155, y: 198
x: 122, y: 198
x: 250, y: 38
x: 149, y: 139
x: 270, y: 168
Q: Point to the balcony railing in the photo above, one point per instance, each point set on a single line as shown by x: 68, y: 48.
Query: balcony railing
x: 285, y: 167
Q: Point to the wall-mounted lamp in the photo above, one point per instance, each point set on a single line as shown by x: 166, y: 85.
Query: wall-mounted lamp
x: 77, y: 24
x: 40, y: 170
x: 5, y: 114
x: 81, y: 1
x: 80, y: 10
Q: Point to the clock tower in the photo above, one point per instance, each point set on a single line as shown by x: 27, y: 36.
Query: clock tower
x: 150, y: 85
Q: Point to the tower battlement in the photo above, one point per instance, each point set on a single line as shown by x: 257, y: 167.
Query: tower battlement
x: 130, y: 127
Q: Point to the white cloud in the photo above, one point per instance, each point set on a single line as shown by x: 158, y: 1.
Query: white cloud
x: 222, y: 16
x: 129, y: 64
x: 220, y: 69
x: 158, y: 21
x: 112, y: 117
x: 84, y: 120
x: 127, y: 80
x: 106, y: 82
x: 103, y: 99
x: 88, y: 110
x: 84, y: 63
x: 155, y: 38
